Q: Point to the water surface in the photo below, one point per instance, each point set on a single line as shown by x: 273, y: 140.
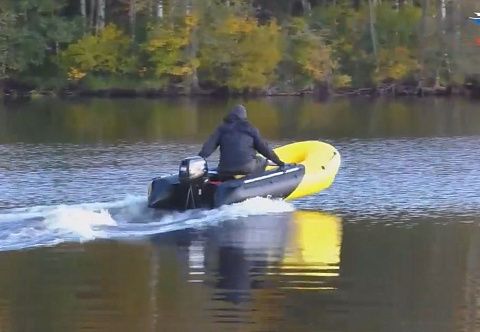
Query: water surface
x: 392, y: 246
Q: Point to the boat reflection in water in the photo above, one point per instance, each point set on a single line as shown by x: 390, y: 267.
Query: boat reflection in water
x: 299, y: 250
x: 312, y: 259
x: 255, y: 263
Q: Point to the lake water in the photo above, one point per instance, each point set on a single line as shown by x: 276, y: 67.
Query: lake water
x: 393, y: 245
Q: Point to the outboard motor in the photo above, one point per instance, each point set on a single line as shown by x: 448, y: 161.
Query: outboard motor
x: 193, y: 169
x: 193, y: 173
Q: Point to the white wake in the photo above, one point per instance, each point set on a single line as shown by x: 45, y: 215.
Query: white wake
x: 126, y: 218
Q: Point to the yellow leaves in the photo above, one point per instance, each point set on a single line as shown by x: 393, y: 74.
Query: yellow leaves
x: 170, y: 37
x: 240, y: 53
x: 191, y: 21
x: 308, y: 52
x: 107, y: 52
x: 298, y: 25
x: 342, y: 81
x: 395, y: 64
x: 75, y: 74
x: 195, y: 63
x: 167, y: 46
x: 181, y: 70
x: 156, y: 43
x: 111, y: 32
x: 317, y: 63
x: 234, y: 25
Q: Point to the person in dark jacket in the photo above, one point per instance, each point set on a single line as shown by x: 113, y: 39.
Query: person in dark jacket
x: 239, y: 142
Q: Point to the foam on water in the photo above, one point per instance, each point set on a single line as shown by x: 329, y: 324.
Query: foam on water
x: 79, y: 221
x: 125, y: 218
x: 41, y: 211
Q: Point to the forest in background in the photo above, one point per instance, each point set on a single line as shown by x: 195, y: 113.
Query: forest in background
x: 238, y: 46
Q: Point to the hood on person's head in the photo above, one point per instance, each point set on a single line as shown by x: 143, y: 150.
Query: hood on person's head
x: 239, y: 112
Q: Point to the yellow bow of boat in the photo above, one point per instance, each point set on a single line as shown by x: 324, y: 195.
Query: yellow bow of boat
x: 321, y: 162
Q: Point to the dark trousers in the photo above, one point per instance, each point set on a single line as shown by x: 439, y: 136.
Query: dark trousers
x: 255, y: 167
x: 260, y: 163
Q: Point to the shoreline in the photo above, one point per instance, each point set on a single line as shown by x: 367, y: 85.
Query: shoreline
x: 390, y: 90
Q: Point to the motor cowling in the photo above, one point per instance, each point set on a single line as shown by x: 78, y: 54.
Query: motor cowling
x: 193, y: 169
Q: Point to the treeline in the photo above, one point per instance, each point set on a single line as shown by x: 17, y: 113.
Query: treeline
x: 237, y: 46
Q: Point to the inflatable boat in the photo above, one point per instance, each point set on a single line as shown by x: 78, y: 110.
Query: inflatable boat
x: 311, y: 168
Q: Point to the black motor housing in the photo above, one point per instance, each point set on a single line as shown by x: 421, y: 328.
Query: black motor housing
x: 193, y: 169
x: 183, y: 191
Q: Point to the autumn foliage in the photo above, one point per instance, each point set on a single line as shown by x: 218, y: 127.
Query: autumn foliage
x: 107, y: 53
x: 239, y: 53
x: 237, y: 46
x: 166, y: 49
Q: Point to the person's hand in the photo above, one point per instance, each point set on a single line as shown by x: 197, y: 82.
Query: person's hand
x: 285, y: 166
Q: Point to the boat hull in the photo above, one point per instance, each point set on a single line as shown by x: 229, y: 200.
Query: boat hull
x: 169, y: 193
